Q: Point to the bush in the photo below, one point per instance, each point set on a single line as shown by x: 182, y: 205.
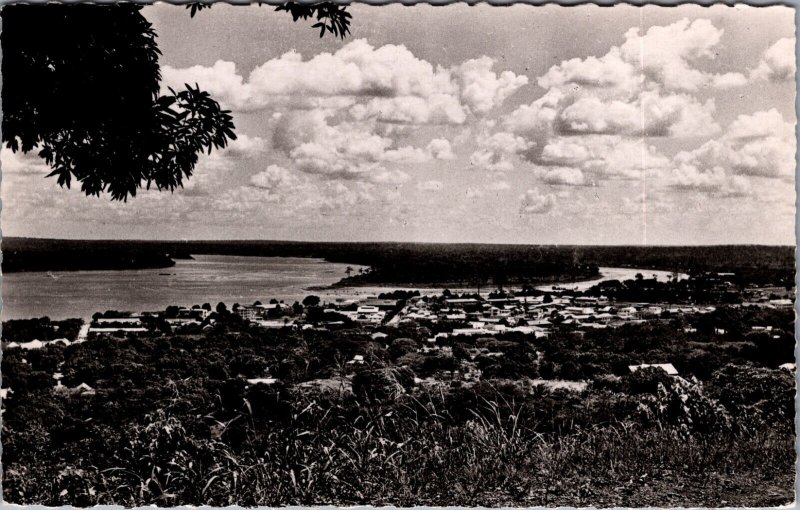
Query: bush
x: 381, y: 384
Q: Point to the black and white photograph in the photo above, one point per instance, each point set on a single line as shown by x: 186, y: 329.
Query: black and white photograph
x: 328, y: 254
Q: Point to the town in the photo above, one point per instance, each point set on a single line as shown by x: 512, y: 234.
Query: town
x: 448, y: 317
x: 697, y: 366
x: 527, y: 311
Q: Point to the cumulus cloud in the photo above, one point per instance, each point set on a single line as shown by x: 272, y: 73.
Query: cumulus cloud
x: 243, y: 147
x: 593, y: 120
x: 649, y: 114
x: 388, y: 83
x: 714, y: 181
x: 778, y: 62
x: 534, y: 202
x: 598, y: 158
x: 277, y: 192
x: 274, y: 178
x: 495, y: 151
x: 221, y: 80
x: 608, y: 71
x: 537, y: 117
x: 761, y: 145
x: 569, y: 110
x: 341, y: 115
x: 346, y: 150
x: 213, y: 170
x: 561, y: 175
x: 664, y: 57
x: 435, y: 109
x: 668, y: 54
x: 440, y: 148
x: 430, y: 186
x: 481, y: 88
x: 642, y: 88
x: 490, y: 160
x: 22, y: 163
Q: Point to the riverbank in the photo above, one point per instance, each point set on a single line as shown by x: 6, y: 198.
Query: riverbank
x: 604, y: 274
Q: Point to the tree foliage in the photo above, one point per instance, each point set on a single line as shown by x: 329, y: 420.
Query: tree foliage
x: 87, y: 96
x: 82, y: 88
x: 331, y: 18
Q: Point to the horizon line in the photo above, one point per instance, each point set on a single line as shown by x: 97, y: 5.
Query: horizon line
x: 482, y: 243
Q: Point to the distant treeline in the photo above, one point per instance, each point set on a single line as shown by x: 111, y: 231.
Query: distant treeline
x: 466, y: 264
x: 26, y: 254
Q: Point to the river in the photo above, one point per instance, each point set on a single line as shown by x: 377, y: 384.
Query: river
x: 614, y: 273
x: 207, y: 278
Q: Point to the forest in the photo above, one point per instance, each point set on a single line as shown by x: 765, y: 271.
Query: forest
x: 416, y: 263
x: 241, y: 415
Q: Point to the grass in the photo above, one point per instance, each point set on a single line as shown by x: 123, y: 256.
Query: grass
x: 414, y: 453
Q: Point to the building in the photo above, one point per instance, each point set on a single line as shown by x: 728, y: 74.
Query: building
x: 249, y: 313
x: 666, y: 367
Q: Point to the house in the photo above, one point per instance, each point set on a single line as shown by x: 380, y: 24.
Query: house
x: 81, y: 389
x: 182, y: 321
x: 381, y: 304
x: 249, y: 313
x: 33, y: 344
x: 262, y: 380
x: 37, y: 344
x: 133, y: 319
x: 578, y: 310
x: 604, y: 317
x: 114, y: 330
x: 654, y: 310
x: 461, y: 302
x: 472, y: 331
x: 781, y: 303
x: 358, y: 359
x: 666, y: 367
x: 275, y: 324
x: 370, y: 318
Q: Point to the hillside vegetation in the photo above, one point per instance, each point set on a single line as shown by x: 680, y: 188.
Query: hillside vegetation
x: 172, y: 418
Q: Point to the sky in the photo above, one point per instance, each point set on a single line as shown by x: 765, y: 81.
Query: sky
x: 522, y: 124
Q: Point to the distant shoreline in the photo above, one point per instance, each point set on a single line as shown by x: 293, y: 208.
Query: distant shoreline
x: 413, y: 264
x: 343, y: 284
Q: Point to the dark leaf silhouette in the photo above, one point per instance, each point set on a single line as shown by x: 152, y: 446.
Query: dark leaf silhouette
x: 330, y: 17
x: 195, y: 7
x: 87, y: 96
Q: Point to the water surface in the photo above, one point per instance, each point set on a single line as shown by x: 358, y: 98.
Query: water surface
x: 207, y: 278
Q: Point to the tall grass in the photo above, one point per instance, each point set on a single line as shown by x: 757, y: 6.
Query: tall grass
x: 413, y: 452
